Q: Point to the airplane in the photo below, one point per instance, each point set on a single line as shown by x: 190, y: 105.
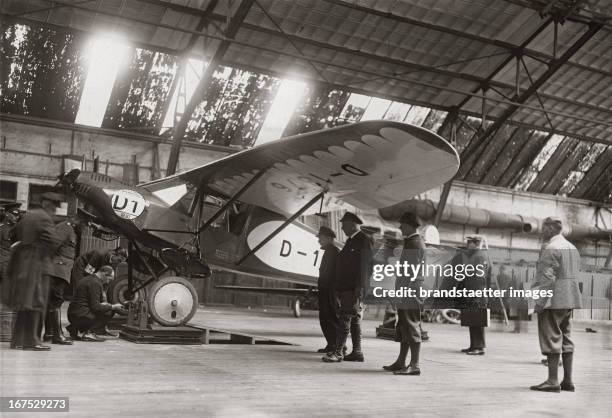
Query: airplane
x: 239, y: 214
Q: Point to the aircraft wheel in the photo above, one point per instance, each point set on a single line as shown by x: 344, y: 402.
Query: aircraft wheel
x: 296, y: 307
x: 118, y: 291
x: 173, y: 301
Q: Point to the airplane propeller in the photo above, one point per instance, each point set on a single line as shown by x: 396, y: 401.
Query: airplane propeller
x: 67, y: 179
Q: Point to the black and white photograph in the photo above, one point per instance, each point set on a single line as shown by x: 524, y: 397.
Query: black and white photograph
x: 306, y: 208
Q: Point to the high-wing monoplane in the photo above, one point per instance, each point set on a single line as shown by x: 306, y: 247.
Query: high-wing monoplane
x: 239, y: 213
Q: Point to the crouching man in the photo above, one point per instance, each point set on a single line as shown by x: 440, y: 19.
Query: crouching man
x: 88, y: 310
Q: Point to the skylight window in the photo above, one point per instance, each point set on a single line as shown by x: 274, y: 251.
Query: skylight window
x: 397, y: 111
x: 287, y: 99
x: 417, y: 115
x: 188, y: 81
x: 584, y: 166
x: 376, y: 109
x: 105, y: 55
x: 355, y: 107
x: 538, y: 163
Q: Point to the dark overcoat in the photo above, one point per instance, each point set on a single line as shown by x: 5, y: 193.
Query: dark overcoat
x: 30, y: 262
x: 63, y: 259
x: 474, y: 281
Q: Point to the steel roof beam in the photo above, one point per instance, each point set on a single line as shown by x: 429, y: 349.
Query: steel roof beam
x: 179, y: 130
x: 501, y: 44
x: 460, y: 34
x: 572, y: 17
x: 326, y: 63
x: 488, y: 81
x: 363, y: 91
x: 182, y: 65
x: 475, y: 150
x: 515, y: 55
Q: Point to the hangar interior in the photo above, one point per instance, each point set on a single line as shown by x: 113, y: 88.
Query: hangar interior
x: 141, y: 89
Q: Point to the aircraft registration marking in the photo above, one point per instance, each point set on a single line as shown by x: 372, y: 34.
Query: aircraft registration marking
x: 293, y: 250
x: 127, y: 204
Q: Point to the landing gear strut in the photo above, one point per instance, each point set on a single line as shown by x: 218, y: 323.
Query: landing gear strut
x: 172, y: 301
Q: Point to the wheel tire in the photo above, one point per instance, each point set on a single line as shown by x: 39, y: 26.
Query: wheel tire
x: 118, y: 286
x: 296, y: 308
x: 451, y: 316
x: 169, y: 290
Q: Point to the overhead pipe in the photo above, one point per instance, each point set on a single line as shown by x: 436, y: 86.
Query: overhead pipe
x: 484, y: 218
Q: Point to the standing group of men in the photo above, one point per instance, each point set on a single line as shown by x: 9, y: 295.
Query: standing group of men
x: 343, y: 278
x: 41, y: 267
x: 344, y: 275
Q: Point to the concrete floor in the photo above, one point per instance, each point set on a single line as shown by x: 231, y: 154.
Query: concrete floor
x: 119, y: 378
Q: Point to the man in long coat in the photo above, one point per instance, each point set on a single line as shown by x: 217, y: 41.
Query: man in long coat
x: 353, y: 271
x: 63, y: 259
x: 328, y: 309
x: 474, y: 314
x: 28, y: 271
x: 408, y: 329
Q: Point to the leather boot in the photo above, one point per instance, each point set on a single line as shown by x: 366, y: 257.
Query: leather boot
x: 58, y: 335
x: 356, y: 354
x: 567, y: 384
x: 18, y: 330
x: 49, y: 327
x: 32, y: 332
x: 337, y: 355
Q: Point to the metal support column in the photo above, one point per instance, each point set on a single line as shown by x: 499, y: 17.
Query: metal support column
x: 180, y: 128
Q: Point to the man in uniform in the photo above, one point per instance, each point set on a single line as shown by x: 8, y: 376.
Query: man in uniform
x: 89, y: 310
x: 328, y: 310
x: 63, y: 260
x: 353, y: 270
x: 558, y: 270
x: 408, y: 330
x: 28, y: 271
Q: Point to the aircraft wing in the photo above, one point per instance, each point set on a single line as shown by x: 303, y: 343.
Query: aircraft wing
x: 267, y: 290
x: 367, y: 165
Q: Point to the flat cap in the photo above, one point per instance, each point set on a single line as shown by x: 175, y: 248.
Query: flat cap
x: 553, y: 220
x: 327, y: 232
x: 475, y: 237
x: 52, y: 196
x: 11, y: 206
x: 388, y: 234
x: 351, y: 217
x: 410, y: 218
